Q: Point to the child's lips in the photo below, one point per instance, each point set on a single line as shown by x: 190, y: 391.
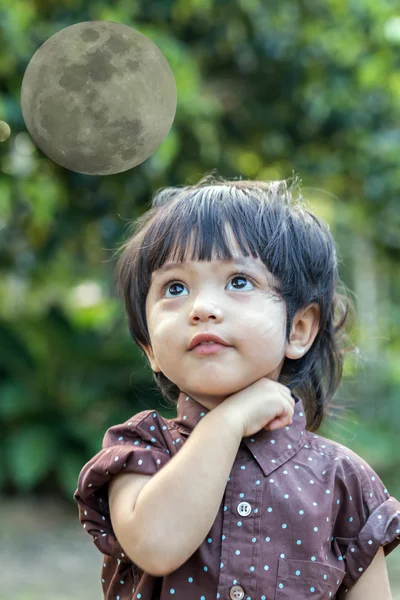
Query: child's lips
x: 202, y: 349
x: 206, y: 336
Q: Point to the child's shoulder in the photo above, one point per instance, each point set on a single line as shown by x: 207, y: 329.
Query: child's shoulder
x: 336, y: 452
x: 350, y: 476
x: 329, y: 447
x: 141, y: 419
x: 147, y: 426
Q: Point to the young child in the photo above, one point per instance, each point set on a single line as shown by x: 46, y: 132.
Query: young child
x: 236, y: 498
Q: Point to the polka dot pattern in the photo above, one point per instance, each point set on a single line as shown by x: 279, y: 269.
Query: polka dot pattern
x: 292, y: 521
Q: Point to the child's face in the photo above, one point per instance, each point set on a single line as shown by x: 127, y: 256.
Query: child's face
x: 211, y: 297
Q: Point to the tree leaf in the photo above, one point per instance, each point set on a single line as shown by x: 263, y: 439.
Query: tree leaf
x: 30, y: 453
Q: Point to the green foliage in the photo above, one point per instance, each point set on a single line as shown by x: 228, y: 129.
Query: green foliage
x: 263, y: 90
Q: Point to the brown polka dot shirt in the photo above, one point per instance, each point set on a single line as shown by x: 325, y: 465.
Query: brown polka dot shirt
x: 302, y: 516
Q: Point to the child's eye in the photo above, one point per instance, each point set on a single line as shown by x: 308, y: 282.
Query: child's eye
x: 177, y: 283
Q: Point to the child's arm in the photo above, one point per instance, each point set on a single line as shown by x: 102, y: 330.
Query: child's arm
x: 177, y: 508
x: 374, y: 582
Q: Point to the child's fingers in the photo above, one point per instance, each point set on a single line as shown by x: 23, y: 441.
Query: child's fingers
x: 278, y: 423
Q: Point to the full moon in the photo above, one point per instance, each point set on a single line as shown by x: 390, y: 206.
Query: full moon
x: 98, y: 97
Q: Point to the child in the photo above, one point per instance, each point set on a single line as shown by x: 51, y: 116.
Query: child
x: 236, y: 497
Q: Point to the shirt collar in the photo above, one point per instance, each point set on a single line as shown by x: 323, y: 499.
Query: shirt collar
x: 270, y: 449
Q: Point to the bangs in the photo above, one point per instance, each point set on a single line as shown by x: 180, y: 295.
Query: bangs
x: 201, y: 227
x: 199, y: 222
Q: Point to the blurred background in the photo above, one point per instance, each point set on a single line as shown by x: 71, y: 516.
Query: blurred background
x: 264, y: 89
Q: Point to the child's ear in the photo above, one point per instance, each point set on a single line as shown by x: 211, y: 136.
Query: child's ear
x: 150, y: 357
x: 304, y: 330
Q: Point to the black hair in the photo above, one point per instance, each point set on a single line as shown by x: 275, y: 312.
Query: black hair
x: 269, y: 222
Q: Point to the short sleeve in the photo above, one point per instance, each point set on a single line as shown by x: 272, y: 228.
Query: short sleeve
x: 370, y: 518
x: 139, y: 445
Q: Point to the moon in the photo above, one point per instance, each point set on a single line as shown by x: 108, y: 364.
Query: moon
x: 98, y: 97
x: 4, y: 131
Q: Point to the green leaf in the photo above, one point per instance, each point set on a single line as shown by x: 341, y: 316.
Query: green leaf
x: 30, y: 454
x: 14, y: 400
x: 14, y: 352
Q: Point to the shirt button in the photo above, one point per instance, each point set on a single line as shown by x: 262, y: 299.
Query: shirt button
x: 236, y: 592
x: 244, y: 509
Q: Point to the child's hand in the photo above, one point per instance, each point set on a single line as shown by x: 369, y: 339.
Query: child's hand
x: 263, y: 404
